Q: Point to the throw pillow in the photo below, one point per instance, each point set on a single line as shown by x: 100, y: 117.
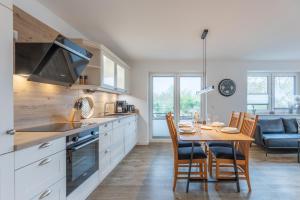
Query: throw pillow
x: 298, y: 121
x: 290, y: 125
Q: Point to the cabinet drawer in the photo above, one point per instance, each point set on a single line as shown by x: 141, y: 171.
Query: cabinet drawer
x: 104, y: 140
x: 119, y: 123
x: 33, y: 179
x: 54, y: 192
x: 104, y: 162
x: 32, y: 154
x: 105, y: 127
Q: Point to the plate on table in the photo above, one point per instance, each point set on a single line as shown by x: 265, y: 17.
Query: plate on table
x: 217, y: 124
x: 205, y: 127
x: 187, y: 130
x: 230, y: 130
x: 185, y: 124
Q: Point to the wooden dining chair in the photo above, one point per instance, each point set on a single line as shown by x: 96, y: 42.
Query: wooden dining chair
x: 224, y: 157
x: 235, y: 122
x: 235, y: 119
x: 182, y: 157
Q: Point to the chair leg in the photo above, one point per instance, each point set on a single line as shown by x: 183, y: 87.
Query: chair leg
x: 248, y: 177
x: 205, y: 175
x: 217, y: 169
x: 175, y: 176
x: 200, y: 169
x: 210, y: 163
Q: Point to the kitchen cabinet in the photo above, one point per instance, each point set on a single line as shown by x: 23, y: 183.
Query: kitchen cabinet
x: 54, y: 192
x: 6, y: 78
x: 106, y: 71
x: 7, y: 176
x: 6, y: 3
x: 39, y: 171
x: 116, y: 143
x: 130, y: 138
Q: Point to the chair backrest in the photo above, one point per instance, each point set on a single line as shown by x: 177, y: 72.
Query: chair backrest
x: 173, y: 133
x: 235, y: 119
x: 248, y: 128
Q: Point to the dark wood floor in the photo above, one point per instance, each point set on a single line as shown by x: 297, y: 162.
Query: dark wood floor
x: 146, y: 174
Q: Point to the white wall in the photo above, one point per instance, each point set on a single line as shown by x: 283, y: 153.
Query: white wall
x: 45, y: 15
x: 219, y: 107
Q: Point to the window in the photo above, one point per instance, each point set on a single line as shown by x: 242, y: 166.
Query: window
x: 270, y: 91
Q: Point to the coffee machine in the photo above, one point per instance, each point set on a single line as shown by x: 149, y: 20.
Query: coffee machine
x: 121, y: 107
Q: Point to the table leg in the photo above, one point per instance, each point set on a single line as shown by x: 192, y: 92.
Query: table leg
x: 190, y: 168
x: 235, y: 167
x: 298, y: 151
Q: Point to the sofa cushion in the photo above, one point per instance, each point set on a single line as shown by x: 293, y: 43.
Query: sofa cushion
x: 269, y: 126
x: 288, y: 140
x: 290, y: 125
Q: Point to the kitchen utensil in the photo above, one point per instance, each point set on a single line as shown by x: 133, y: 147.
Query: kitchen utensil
x: 87, y: 108
x: 75, y: 115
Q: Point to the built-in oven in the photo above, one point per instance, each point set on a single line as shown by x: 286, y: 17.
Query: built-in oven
x: 82, y: 157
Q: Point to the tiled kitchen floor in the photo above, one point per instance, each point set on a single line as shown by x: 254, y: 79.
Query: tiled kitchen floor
x: 146, y: 174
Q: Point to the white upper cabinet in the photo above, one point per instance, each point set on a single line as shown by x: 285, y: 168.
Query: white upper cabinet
x: 6, y: 78
x: 7, y: 3
x: 105, y: 71
x: 120, y: 77
x: 108, y: 77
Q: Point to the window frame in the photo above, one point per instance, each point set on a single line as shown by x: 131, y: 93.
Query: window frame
x: 271, y: 87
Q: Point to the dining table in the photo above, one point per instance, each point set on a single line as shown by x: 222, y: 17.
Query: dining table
x: 214, y: 135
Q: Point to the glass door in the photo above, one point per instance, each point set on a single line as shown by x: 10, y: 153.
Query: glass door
x: 174, y: 93
x: 189, y: 102
x: 163, y: 101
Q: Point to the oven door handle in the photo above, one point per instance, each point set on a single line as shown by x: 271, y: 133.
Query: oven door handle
x: 85, y: 144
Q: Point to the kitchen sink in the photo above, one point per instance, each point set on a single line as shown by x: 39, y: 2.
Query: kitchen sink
x: 115, y: 115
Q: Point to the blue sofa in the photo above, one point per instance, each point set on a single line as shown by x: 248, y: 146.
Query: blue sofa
x: 277, y: 134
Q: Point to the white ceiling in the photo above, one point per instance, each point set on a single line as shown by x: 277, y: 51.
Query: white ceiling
x: 171, y: 29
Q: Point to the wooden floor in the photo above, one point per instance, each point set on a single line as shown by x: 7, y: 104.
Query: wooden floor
x: 146, y: 174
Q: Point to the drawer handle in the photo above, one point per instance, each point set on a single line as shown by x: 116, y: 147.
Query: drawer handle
x: 45, y: 161
x: 105, y: 134
x: 11, y: 132
x: 45, y: 145
x: 45, y: 194
x: 105, y: 125
x: 106, y: 151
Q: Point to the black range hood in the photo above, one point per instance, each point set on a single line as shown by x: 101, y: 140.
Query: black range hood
x: 60, y: 62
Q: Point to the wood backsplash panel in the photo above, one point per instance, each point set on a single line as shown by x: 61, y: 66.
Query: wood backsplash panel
x: 39, y: 103
x: 31, y: 29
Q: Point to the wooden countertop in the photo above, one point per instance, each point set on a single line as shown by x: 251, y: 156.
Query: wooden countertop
x: 24, y: 140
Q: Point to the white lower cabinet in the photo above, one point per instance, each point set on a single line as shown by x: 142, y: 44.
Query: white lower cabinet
x: 54, y: 192
x: 115, y: 144
x: 7, y: 176
x: 38, y: 180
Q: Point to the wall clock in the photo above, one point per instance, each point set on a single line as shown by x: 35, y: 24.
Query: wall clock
x: 227, y: 87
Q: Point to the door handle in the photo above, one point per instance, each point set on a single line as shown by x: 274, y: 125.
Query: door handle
x: 45, y: 194
x: 11, y: 132
x: 45, y: 145
x: 45, y: 161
